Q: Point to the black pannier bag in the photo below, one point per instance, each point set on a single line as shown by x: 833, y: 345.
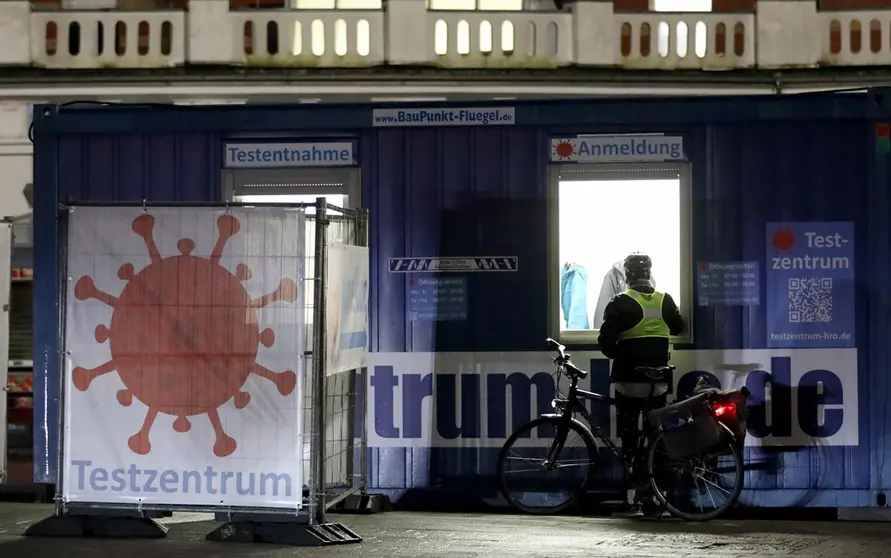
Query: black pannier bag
x: 734, y: 397
x: 690, y: 428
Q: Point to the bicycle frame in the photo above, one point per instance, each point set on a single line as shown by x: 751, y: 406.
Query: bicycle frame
x: 563, y: 419
x: 572, y: 404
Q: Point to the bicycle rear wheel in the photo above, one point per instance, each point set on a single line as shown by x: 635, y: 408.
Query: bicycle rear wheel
x: 544, y: 467
x: 698, y: 488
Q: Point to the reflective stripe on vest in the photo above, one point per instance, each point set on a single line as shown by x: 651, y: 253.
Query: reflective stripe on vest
x: 652, y: 324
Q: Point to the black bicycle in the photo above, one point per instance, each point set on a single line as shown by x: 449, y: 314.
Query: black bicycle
x: 692, y: 450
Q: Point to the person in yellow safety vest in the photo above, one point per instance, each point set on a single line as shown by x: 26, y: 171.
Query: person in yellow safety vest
x: 635, y: 332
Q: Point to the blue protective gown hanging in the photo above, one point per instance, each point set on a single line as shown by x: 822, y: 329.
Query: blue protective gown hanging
x: 574, y: 296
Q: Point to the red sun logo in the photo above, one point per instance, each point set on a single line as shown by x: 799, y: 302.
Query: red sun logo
x: 184, y: 335
x: 564, y: 149
x: 783, y: 239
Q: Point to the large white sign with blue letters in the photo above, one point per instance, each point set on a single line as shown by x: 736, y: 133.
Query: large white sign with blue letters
x: 799, y: 397
x: 283, y: 155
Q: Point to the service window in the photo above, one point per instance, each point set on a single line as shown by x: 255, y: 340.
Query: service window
x: 599, y: 215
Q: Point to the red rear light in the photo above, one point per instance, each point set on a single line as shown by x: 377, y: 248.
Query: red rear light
x: 724, y: 409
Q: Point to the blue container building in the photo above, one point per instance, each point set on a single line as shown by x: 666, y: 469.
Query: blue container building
x: 486, y: 190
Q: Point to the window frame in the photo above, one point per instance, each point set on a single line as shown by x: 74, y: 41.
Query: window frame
x: 618, y: 171
x: 302, y: 181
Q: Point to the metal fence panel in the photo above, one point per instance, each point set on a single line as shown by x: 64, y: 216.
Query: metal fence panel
x: 339, y: 410
x: 174, y: 316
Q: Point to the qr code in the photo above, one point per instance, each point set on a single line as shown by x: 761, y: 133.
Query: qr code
x: 810, y: 300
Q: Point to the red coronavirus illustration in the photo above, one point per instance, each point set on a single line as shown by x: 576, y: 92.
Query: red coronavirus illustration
x: 564, y: 150
x: 783, y: 239
x: 184, y: 335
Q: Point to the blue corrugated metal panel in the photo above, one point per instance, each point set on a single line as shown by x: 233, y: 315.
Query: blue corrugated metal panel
x: 481, y: 191
x: 126, y: 167
x: 876, y: 366
x: 757, y: 173
x: 470, y: 191
x: 46, y: 309
x: 454, y: 192
x: 459, y: 192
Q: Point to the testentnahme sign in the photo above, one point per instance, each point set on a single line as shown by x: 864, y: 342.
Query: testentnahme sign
x: 277, y: 155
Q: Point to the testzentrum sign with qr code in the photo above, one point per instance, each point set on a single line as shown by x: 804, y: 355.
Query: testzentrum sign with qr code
x: 810, y: 285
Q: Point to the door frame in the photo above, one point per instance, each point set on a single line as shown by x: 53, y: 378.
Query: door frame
x: 295, y: 181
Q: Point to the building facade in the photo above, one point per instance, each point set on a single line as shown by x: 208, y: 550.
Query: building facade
x: 502, y: 53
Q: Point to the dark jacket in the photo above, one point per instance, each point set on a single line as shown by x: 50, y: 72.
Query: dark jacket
x: 623, y: 313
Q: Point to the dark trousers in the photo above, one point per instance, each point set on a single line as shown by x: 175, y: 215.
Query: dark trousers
x: 628, y: 412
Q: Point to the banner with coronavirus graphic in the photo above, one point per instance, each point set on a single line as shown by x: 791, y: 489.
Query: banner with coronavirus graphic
x: 185, y: 336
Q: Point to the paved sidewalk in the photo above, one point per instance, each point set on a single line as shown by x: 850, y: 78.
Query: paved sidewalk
x: 416, y: 535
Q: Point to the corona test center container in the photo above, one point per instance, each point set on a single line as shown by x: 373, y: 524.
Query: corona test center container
x: 493, y: 226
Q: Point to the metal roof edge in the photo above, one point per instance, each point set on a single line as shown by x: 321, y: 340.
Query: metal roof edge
x: 126, y: 118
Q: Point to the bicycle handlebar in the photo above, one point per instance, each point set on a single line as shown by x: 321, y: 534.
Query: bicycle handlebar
x: 564, y: 365
x: 561, y: 350
x: 563, y: 357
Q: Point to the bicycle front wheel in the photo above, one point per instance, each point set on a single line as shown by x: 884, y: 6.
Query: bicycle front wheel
x: 698, y: 488
x: 544, y: 467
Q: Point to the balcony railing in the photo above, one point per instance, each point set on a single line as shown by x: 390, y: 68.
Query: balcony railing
x: 779, y: 34
x: 499, y: 39
x: 107, y: 39
x: 686, y: 41
x: 303, y: 38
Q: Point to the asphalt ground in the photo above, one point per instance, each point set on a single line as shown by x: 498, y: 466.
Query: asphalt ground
x: 418, y: 534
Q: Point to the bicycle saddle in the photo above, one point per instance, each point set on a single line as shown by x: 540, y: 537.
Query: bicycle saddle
x: 658, y: 373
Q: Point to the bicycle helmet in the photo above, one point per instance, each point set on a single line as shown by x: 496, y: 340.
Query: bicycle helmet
x: 637, y: 268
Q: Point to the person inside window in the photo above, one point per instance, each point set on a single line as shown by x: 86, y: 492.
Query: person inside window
x: 613, y: 283
x: 635, y: 332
